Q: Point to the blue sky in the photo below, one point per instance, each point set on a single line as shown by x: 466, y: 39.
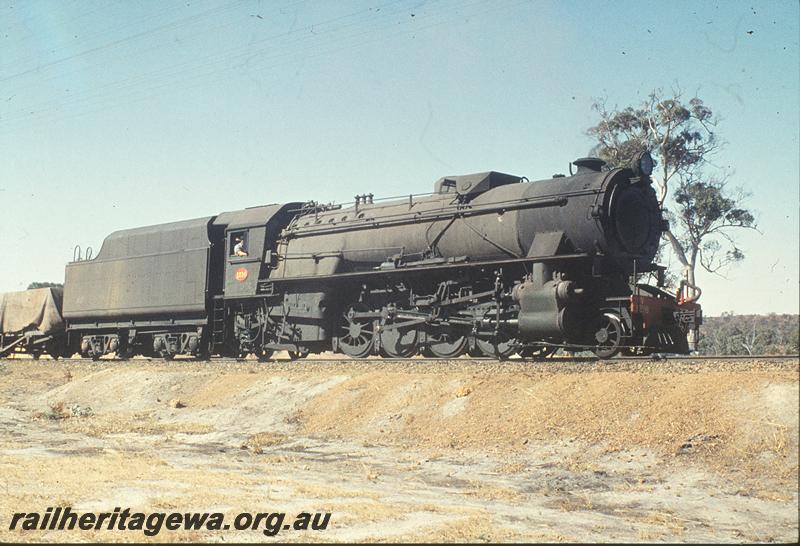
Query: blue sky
x: 121, y: 114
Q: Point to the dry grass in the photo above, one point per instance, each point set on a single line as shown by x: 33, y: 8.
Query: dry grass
x: 221, y: 389
x: 370, y: 512
x: 512, y: 467
x: 257, y: 442
x: 130, y: 422
x: 649, y: 536
x: 490, y: 492
x: 575, y: 502
x: 60, y: 410
x: 474, y: 528
x: 693, y: 416
x: 330, y: 492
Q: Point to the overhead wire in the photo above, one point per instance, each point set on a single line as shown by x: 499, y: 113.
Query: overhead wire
x: 25, y: 21
x: 179, y: 23
x: 69, y: 22
x: 115, y: 43
x: 171, y: 69
x: 180, y: 68
x: 277, y: 59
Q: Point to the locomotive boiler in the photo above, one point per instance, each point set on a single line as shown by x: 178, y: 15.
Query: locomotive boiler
x: 487, y: 264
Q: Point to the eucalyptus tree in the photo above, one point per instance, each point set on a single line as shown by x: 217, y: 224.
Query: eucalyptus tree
x: 681, y: 136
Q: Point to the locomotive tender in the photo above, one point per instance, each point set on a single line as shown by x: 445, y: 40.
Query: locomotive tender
x: 488, y: 264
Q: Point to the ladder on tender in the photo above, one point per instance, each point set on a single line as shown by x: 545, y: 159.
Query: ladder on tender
x: 218, y: 322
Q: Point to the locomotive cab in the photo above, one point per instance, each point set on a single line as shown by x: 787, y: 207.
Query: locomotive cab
x: 258, y: 229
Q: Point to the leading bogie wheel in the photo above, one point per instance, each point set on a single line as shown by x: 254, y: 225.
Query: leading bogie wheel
x: 542, y: 351
x: 636, y: 351
x: 608, y: 336
x: 500, y: 345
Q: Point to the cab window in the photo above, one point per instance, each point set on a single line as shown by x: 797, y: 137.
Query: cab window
x: 237, y: 244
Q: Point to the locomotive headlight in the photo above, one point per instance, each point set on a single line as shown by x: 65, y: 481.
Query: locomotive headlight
x: 643, y: 164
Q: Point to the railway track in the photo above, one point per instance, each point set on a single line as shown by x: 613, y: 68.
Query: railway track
x: 423, y: 360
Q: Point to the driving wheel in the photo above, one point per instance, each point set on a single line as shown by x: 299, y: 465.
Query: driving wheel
x: 357, y: 334
x: 400, y: 342
x: 446, y: 342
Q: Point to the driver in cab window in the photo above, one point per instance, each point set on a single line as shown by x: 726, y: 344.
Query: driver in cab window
x: 238, y: 248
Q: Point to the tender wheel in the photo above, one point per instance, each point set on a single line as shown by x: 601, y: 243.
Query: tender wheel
x: 446, y: 342
x: 54, y: 350
x: 608, y: 336
x: 264, y: 355
x: 358, y: 337
x: 400, y: 342
x: 295, y: 355
x: 503, y: 345
x: 537, y: 352
x: 205, y: 351
x: 125, y: 353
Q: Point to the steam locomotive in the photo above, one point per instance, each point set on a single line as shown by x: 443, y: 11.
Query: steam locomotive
x: 487, y: 264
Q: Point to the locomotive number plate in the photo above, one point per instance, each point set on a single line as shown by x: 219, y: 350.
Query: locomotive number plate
x: 686, y: 317
x: 241, y: 274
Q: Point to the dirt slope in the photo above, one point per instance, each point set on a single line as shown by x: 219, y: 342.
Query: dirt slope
x: 744, y: 418
x: 447, y: 451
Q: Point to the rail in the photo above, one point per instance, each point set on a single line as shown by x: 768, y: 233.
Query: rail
x: 422, y: 360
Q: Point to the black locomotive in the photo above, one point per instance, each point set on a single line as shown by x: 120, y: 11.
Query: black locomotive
x: 488, y: 264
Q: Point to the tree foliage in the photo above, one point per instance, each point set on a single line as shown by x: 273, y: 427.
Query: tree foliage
x: 731, y: 334
x: 38, y: 284
x: 681, y: 136
x: 705, y: 211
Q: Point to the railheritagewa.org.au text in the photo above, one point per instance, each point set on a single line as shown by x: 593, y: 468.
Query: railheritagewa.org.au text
x: 151, y: 524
